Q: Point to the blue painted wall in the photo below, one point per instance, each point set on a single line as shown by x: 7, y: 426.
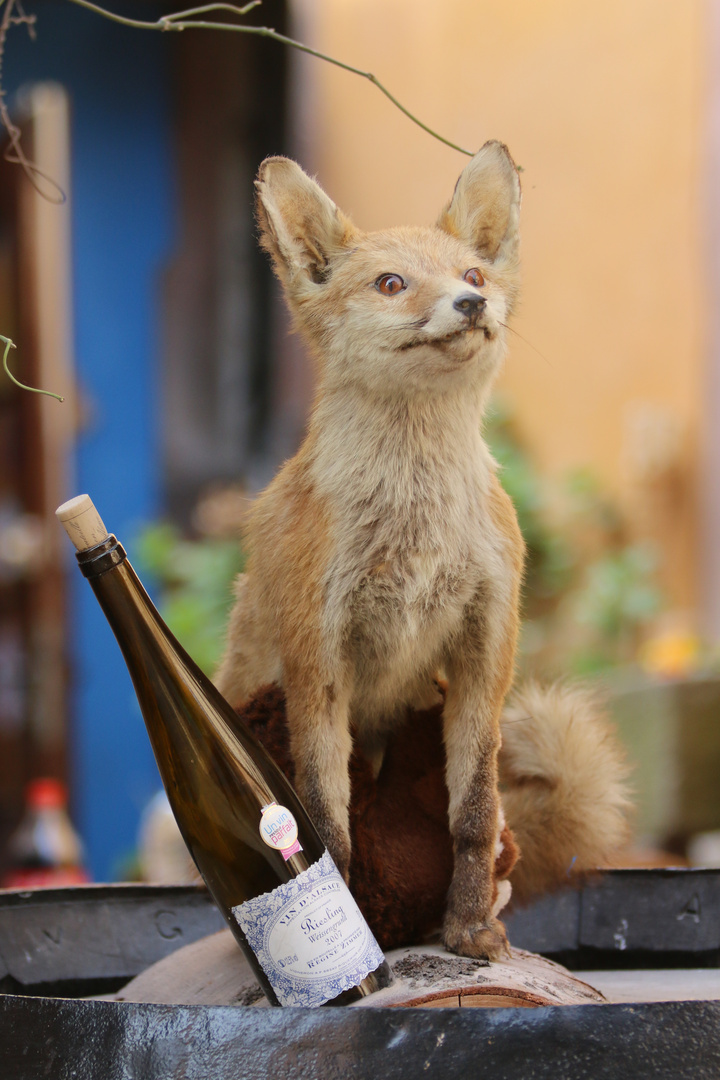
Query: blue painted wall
x: 122, y: 230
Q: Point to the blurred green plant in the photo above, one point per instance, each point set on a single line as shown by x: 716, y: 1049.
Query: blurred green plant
x: 195, y: 579
x: 617, y: 599
x: 550, y: 558
x: 590, y: 592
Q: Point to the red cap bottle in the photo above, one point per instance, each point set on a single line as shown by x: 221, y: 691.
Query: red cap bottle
x: 44, y: 851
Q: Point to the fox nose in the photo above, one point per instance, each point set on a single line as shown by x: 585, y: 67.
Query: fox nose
x: 471, y: 305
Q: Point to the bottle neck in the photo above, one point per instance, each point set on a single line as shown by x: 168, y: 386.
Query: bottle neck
x: 170, y: 686
x: 98, y: 559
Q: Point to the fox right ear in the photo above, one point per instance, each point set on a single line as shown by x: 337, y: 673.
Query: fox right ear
x: 485, y: 207
x: 301, y: 227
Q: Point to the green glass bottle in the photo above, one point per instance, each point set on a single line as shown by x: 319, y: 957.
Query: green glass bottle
x: 250, y: 836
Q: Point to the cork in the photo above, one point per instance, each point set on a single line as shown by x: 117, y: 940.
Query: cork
x: 81, y: 522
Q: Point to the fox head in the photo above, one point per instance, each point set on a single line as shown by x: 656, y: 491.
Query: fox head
x: 406, y: 309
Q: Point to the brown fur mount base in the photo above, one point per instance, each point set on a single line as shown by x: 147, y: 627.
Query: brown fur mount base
x: 564, y: 796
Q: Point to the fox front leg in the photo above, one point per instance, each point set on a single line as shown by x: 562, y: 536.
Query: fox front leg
x: 480, y: 676
x: 321, y: 745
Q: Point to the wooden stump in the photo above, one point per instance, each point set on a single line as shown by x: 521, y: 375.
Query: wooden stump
x: 213, y: 971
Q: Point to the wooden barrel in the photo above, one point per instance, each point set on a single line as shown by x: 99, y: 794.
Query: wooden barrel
x: 649, y: 941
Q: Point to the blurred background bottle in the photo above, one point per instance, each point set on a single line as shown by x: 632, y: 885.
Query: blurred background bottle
x: 163, y: 858
x: 44, y: 851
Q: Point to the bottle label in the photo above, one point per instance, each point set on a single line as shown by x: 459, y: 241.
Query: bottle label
x: 309, y: 936
x: 279, y: 830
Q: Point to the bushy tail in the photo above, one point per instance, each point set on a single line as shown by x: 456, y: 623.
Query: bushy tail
x: 564, y: 780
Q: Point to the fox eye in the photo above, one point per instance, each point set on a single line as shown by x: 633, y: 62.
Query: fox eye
x: 474, y: 277
x: 390, y: 284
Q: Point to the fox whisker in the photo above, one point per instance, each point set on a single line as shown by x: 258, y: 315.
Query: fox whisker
x: 528, y: 343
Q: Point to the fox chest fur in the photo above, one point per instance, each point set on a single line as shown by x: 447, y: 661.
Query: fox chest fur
x: 415, y: 542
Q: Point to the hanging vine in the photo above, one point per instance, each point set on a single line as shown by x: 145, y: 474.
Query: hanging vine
x: 11, y: 345
x: 13, y: 14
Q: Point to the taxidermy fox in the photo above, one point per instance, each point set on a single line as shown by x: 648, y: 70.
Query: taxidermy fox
x: 385, y: 555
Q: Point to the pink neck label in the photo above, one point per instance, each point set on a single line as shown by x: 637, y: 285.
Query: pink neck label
x: 279, y: 830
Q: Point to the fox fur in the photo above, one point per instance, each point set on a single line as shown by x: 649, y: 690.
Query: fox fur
x: 386, y: 555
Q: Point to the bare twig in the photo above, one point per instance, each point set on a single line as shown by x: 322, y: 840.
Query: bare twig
x: 185, y: 20
x: 14, y: 15
x: 11, y: 345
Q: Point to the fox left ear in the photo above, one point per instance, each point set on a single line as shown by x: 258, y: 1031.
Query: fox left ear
x: 300, y: 226
x: 485, y: 208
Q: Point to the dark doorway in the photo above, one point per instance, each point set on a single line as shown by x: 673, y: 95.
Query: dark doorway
x: 221, y: 305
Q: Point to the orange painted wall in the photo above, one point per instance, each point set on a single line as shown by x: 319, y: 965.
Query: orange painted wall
x: 603, y: 105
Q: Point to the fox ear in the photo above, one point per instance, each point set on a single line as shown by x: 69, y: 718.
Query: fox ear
x: 485, y: 207
x: 301, y: 228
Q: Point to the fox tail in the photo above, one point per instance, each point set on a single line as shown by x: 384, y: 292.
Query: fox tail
x: 564, y: 786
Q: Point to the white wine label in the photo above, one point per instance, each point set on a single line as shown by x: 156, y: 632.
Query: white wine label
x: 279, y: 830
x: 310, y: 936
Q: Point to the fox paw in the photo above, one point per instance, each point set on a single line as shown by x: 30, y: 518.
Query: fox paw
x: 487, y: 941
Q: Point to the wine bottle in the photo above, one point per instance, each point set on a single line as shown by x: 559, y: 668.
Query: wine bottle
x: 248, y: 833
